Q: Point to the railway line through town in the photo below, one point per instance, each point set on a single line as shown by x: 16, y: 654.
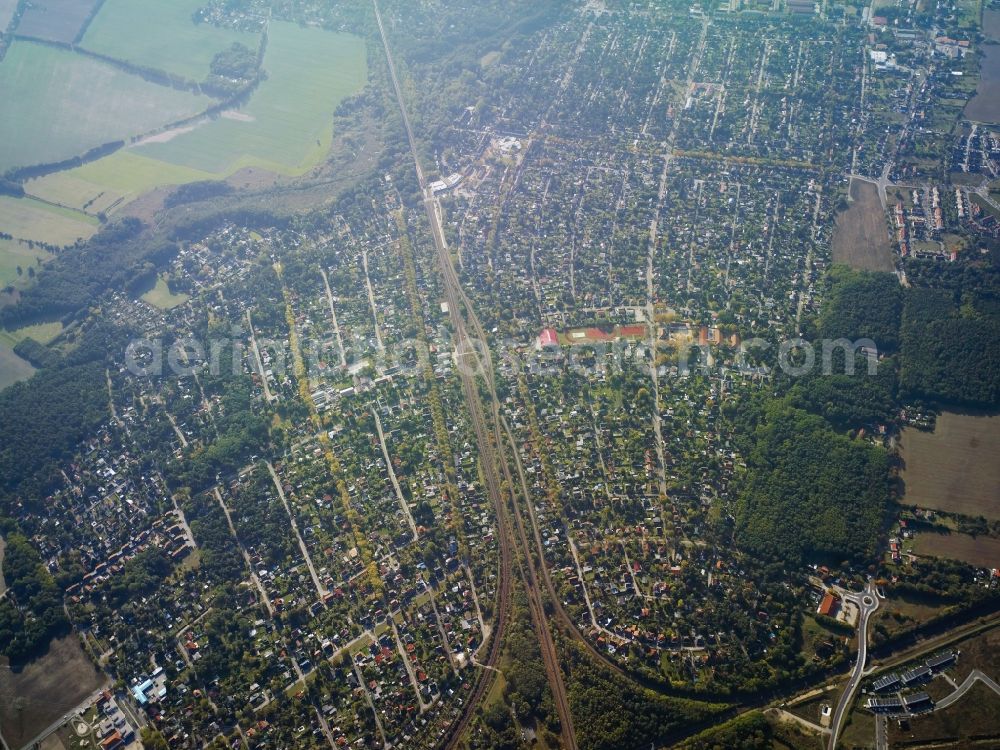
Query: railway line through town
x: 471, y: 363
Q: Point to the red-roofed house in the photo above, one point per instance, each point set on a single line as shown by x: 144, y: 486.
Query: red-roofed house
x: 547, y: 339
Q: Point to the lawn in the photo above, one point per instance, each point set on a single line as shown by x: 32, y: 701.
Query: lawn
x: 160, y: 296
x: 67, y: 104
x: 161, y: 34
x: 14, y: 253
x: 28, y: 219
x: 287, y: 126
x: 953, y: 468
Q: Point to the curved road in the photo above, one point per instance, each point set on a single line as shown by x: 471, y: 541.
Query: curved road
x: 867, y: 603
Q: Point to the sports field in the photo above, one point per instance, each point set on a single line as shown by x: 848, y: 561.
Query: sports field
x: 954, y: 468
x: 67, y: 104
x: 161, y: 34
x: 287, y: 126
x: 29, y: 219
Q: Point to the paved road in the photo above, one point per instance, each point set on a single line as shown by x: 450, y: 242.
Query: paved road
x: 974, y: 677
x: 881, y: 735
x: 83, y: 705
x: 867, y: 603
x: 320, y: 589
x: 392, y: 476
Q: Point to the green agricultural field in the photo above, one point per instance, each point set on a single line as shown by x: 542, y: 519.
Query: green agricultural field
x: 161, y: 34
x: 287, y: 125
x: 14, y: 253
x: 285, y: 128
x: 67, y: 103
x: 28, y: 219
x: 107, y: 183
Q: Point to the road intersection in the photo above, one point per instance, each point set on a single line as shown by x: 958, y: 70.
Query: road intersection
x: 867, y: 603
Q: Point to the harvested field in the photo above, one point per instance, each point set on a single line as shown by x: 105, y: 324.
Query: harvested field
x: 44, y: 690
x: 954, y: 468
x: 860, y: 239
x: 981, y: 551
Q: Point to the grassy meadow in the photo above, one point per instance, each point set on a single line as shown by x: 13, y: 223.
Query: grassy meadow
x: 14, y: 253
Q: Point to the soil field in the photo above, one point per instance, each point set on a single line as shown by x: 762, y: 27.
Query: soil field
x: 860, y: 239
x: 981, y: 551
x: 39, y: 694
x: 954, y: 468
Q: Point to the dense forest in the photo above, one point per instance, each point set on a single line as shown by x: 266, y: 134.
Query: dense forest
x: 809, y: 493
x: 945, y: 327
x: 32, y: 612
x: 43, y: 419
x: 611, y: 712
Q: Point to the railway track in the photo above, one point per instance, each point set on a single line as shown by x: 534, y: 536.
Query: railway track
x: 471, y: 362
